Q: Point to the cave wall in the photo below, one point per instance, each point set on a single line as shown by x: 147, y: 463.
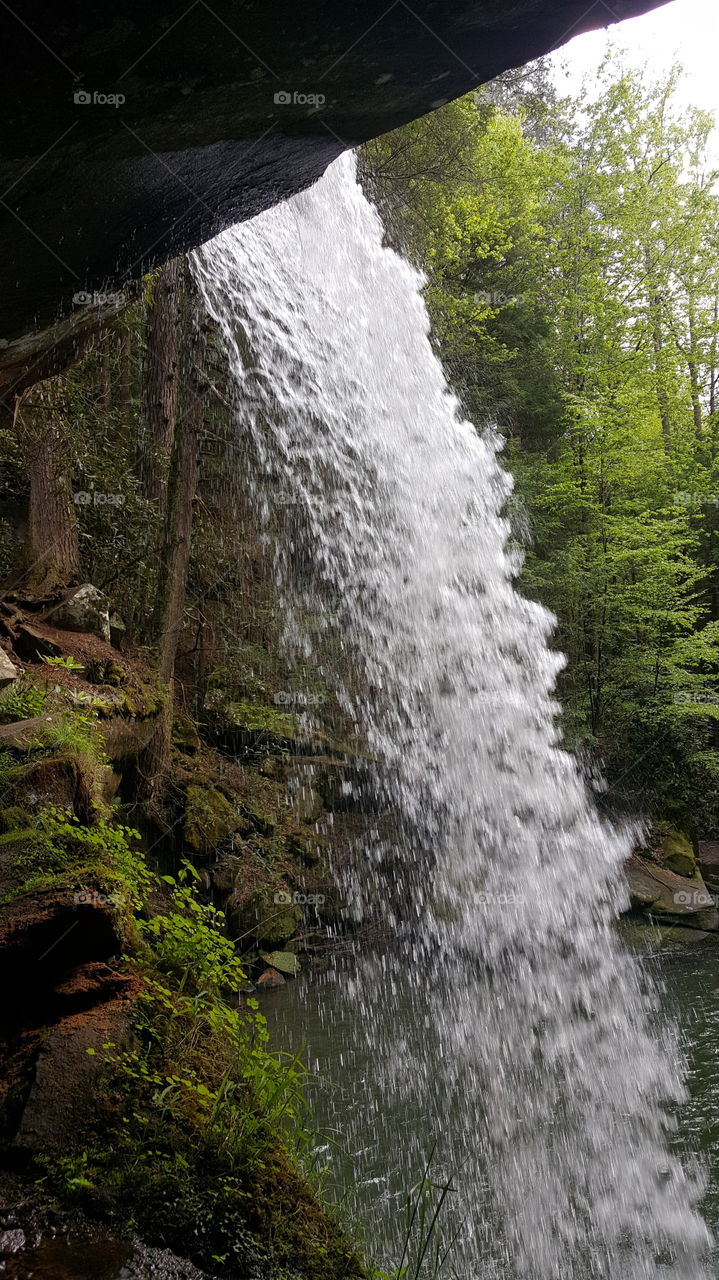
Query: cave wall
x: 136, y: 133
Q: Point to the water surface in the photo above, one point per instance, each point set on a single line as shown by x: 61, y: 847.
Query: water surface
x: 373, y: 1153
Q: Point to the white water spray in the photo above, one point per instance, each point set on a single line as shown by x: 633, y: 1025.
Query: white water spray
x: 537, y: 1022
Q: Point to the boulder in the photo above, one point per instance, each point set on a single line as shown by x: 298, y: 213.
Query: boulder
x: 32, y: 644
x: 56, y: 781
x: 282, y: 961
x: 269, y: 979
x: 8, y: 670
x: 86, y: 609
x: 269, y: 918
x: 709, y: 864
x: 677, y: 852
x: 66, y: 1095
x: 12, y: 1241
x: 209, y: 818
x: 117, y: 630
x: 658, y: 892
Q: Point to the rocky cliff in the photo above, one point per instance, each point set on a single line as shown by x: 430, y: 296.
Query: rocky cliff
x: 131, y: 136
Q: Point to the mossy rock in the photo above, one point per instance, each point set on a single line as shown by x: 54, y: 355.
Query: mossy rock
x: 51, y: 781
x: 14, y: 818
x: 308, y: 848
x: 125, y: 735
x: 143, y: 698
x: 284, y: 961
x: 257, y: 730
x: 16, y: 835
x: 252, y: 716
x: 185, y: 736
x: 105, y: 672
x: 677, y: 852
x: 227, y: 872
x: 209, y: 818
x: 265, y: 919
x: 258, y: 819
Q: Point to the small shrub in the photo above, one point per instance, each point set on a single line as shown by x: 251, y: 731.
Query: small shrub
x: 22, y: 700
x: 67, y: 662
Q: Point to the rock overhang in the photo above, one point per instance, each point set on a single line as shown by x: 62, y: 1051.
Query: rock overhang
x: 138, y: 133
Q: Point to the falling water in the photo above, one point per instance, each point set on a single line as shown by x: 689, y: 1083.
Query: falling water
x: 538, y: 1039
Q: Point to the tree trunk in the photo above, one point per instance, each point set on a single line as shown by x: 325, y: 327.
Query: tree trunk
x: 161, y: 385
x: 50, y: 557
x: 170, y: 608
x: 657, y: 337
x: 694, y: 370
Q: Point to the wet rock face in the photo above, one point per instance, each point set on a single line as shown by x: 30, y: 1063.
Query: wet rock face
x: 88, y: 1254
x: 661, y: 894
x: 136, y: 132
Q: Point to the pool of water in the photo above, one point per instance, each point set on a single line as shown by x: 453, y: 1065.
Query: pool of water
x: 377, y: 1127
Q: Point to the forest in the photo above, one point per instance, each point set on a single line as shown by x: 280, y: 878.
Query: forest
x: 181, y: 794
x: 570, y: 254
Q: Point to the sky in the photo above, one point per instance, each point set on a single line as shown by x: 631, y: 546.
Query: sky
x: 683, y: 30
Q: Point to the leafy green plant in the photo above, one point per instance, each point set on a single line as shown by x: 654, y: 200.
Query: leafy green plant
x: 64, y: 848
x: 66, y: 661
x: 188, y: 941
x: 74, y: 734
x: 22, y: 700
x: 91, y: 701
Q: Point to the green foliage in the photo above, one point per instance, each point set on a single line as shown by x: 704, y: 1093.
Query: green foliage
x: 202, y: 1116
x: 22, y: 700
x: 190, y: 946
x: 73, y: 735
x: 66, y: 661
x: 62, y: 849
x: 189, y: 943
x: 573, y: 286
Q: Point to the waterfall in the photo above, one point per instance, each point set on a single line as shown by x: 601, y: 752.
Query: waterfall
x: 560, y: 1078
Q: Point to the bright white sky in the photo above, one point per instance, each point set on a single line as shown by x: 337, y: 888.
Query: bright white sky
x: 686, y: 31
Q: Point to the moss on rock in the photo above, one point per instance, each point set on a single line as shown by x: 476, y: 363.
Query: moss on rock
x: 209, y: 818
x: 268, y: 917
x: 185, y: 736
x: 677, y: 852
